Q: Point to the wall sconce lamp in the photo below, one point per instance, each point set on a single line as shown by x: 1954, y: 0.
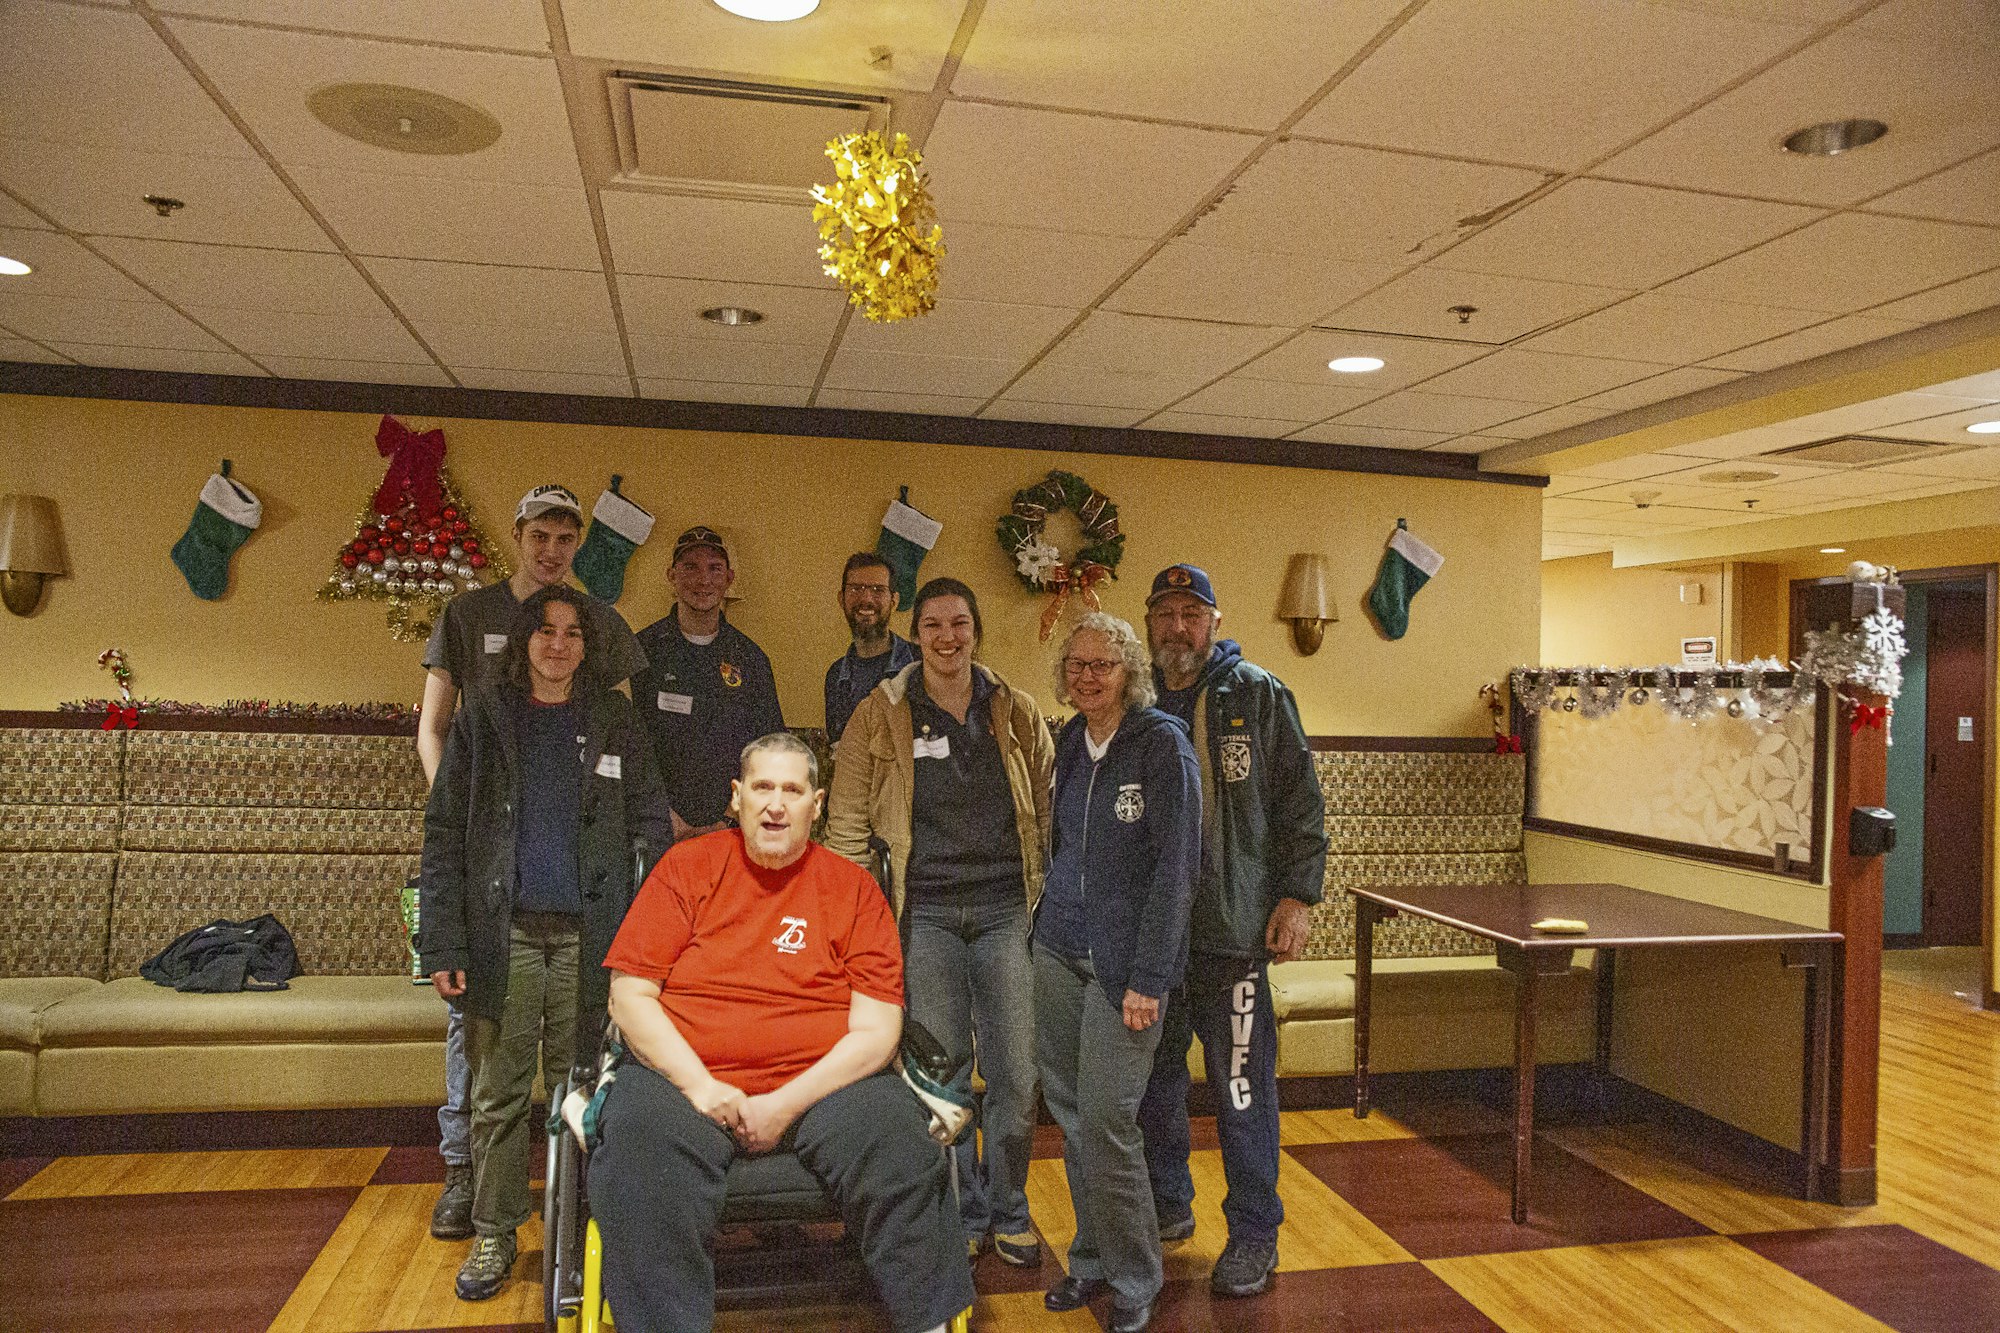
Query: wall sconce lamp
x: 30, y: 550
x: 1304, y: 602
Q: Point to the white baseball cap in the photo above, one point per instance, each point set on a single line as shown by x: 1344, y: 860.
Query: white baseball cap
x: 545, y: 499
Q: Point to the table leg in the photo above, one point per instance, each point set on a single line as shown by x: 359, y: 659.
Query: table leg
x: 1815, y: 1093
x: 1524, y: 1089
x: 1607, y: 982
x: 1365, y: 913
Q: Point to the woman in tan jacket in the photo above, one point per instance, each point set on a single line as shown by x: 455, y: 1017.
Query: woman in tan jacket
x: 948, y: 766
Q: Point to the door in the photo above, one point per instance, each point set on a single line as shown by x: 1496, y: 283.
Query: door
x: 1954, y: 762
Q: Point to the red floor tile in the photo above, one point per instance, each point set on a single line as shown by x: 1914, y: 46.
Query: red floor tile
x: 15, y: 1171
x: 1378, y: 1298
x: 1907, y: 1281
x: 410, y: 1166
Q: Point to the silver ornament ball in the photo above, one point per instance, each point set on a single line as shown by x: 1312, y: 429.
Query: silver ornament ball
x: 428, y: 565
x: 447, y: 587
x: 1736, y: 708
x: 380, y: 577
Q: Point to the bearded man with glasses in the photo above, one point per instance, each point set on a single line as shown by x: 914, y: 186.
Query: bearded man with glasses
x: 866, y: 598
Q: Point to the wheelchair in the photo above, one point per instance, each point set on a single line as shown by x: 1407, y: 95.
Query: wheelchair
x: 772, y: 1195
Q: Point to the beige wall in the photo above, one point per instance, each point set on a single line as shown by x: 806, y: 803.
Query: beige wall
x: 126, y: 476
x: 1594, y: 615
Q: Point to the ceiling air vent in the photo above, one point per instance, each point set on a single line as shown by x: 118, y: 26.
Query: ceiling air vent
x: 1863, y: 451
x: 760, y: 138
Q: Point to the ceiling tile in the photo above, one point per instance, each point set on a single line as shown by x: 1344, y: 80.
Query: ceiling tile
x: 1893, y: 410
x: 515, y: 24
x: 1952, y: 299
x: 1933, y: 88
x: 354, y: 372
x: 936, y: 405
x: 1051, y: 268
x: 1867, y: 483
x: 1609, y: 234
x: 1948, y: 429
x: 700, y: 391
x: 1061, y: 414
x: 1420, y: 304
x: 408, y: 217
x: 1183, y: 62
x: 1626, y: 469
x: 491, y: 294
x: 1985, y: 385
x: 1240, y: 396
x: 1090, y: 386
x: 1141, y: 344
x: 1539, y: 377
x: 1650, y: 327
x: 1745, y: 443
x: 1245, y: 286
x: 1470, y: 444
x: 1704, y: 500
x: 179, y: 360
x: 1743, y: 474
x: 1968, y: 192
x: 98, y: 76
x: 526, y: 348
x: 1201, y: 423
x: 1546, y: 83
x: 62, y: 268
x: 296, y: 281
x: 1358, y: 203
x: 1117, y: 178
x: 13, y: 214
x: 682, y: 237
x: 1544, y: 422
x: 1303, y: 359
x: 964, y: 328
x: 832, y: 45
x: 1848, y: 261
x: 20, y: 349
x: 671, y: 308
x: 657, y: 357
x: 1370, y: 437
x: 263, y: 71
x: 905, y: 372
x: 331, y: 337
x: 1449, y: 413
x: 98, y: 191
x: 1975, y: 464
x: 545, y: 381
x: 1832, y: 336
x: 1657, y: 389
x: 106, y: 323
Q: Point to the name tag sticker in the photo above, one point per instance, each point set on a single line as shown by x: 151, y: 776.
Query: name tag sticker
x: 676, y: 703
x: 496, y: 643
x: 610, y: 766
x: 931, y: 747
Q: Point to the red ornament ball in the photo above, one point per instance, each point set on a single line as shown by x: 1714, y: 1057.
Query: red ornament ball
x: 460, y: 527
x: 476, y: 560
x: 470, y: 543
x: 450, y: 511
x: 358, y: 545
x: 402, y: 545
x: 370, y: 532
x: 349, y: 559
x: 375, y: 554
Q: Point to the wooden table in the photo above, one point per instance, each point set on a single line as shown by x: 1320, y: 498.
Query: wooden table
x: 1619, y: 918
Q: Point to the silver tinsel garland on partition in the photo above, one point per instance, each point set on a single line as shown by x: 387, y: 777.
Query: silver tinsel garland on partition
x: 1764, y: 690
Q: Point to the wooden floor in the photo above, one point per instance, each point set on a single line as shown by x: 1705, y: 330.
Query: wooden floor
x: 1398, y: 1222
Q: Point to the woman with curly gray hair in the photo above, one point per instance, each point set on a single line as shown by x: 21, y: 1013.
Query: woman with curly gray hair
x: 1110, y: 943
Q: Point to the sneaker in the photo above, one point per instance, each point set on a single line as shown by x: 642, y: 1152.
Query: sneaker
x: 452, y: 1218
x: 485, y: 1270
x: 1245, y: 1268
x: 1174, y: 1231
x: 1020, y: 1249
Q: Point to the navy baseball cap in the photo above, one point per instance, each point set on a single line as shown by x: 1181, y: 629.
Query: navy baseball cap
x: 1190, y: 579
x: 700, y: 535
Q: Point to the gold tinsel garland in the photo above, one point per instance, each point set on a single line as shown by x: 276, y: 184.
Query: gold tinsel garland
x: 882, y: 241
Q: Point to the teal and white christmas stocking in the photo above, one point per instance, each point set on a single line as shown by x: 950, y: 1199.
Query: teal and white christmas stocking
x: 907, y: 537
x: 617, y: 528
x: 223, y: 520
x: 1407, y: 566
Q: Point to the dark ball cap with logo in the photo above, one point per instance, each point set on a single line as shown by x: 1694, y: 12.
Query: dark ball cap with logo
x: 700, y: 535
x: 1190, y: 579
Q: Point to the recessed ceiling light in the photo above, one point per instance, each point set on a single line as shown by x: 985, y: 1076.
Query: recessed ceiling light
x: 1977, y: 427
x: 730, y: 316
x: 14, y: 268
x: 1833, y: 550
x: 1834, y: 137
x: 1355, y: 365
x: 770, y: 11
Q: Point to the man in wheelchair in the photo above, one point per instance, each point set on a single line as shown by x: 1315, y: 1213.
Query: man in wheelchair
x: 757, y: 982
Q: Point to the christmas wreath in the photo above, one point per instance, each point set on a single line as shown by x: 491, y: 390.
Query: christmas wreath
x: 1039, y: 565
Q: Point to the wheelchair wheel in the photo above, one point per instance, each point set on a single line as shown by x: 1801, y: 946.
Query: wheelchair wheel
x: 562, y: 1226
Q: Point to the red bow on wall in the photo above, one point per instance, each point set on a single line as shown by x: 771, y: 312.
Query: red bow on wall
x: 413, y: 467
x: 125, y: 715
x: 1507, y: 745
x: 1867, y: 715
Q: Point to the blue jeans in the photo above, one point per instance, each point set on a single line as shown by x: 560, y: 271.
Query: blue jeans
x: 455, y: 1116
x: 1227, y: 1003
x: 966, y: 979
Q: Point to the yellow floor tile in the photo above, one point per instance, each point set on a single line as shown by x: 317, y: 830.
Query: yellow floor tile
x: 1704, y: 1284
x: 187, y: 1172
x: 382, y: 1270
x: 1299, y: 1127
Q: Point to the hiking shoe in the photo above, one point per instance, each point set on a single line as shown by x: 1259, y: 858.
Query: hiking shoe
x: 1020, y: 1249
x: 1244, y: 1269
x: 1174, y: 1231
x: 485, y: 1270
x: 452, y: 1218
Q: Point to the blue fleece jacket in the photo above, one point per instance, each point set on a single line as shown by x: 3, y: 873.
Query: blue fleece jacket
x: 1138, y: 853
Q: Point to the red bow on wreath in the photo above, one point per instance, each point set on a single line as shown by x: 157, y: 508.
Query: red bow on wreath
x: 1080, y: 578
x: 413, y: 467
x: 1868, y: 715
x: 1507, y: 744
x: 125, y: 715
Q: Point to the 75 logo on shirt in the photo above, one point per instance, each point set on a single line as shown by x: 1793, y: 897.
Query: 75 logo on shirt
x: 792, y: 939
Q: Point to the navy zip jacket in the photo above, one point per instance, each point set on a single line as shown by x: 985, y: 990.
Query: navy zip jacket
x: 1141, y: 849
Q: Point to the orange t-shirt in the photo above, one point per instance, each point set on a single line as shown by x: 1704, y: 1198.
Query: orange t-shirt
x: 757, y: 967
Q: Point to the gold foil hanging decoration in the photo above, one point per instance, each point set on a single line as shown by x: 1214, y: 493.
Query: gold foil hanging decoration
x: 879, y: 226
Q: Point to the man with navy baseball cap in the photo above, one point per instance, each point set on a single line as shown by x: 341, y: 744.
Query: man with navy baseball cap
x: 1263, y: 859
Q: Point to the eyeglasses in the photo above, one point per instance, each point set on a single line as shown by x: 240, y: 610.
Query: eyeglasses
x: 1096, y: 668
x: 872, y: 589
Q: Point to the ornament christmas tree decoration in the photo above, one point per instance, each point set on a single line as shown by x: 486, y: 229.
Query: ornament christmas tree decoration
x: 617, y: 528
x: 1407, y: 566
x: 908, y: 534
x: 415, y: 544
x: 224, y: 517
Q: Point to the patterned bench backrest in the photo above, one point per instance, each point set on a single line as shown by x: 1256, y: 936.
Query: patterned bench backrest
x: 1402, y: 817
x: 59, y: 818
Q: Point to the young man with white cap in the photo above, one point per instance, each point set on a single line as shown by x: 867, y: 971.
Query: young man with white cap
x: 466, y: 648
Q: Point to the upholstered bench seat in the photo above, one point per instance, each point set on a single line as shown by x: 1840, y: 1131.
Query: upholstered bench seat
x: 22, y: 1001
